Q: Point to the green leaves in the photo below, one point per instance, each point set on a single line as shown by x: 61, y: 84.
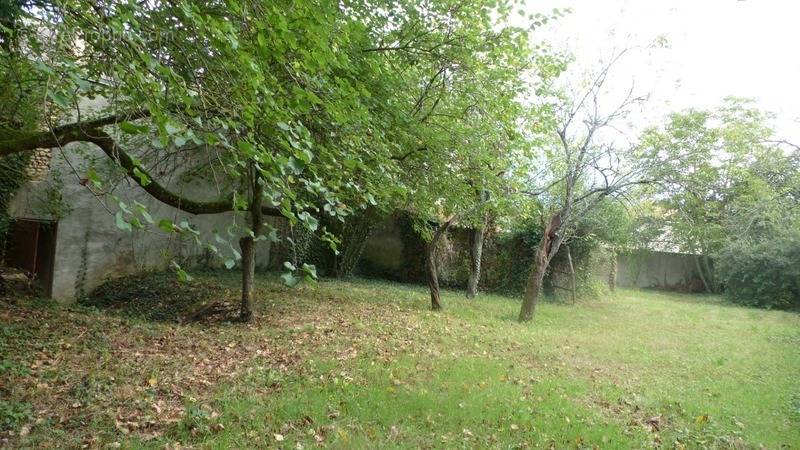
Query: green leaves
x: 290, y: 280
x: 310, y: 221
x: 293, y: 276
x: 144, y: 180
x: 121, y: 223
x: 94, y: 178
x: 132, y: 128
x: 59, y: 98
x: 296, y: 103
x: 166, y: 225
x: 183, y: 276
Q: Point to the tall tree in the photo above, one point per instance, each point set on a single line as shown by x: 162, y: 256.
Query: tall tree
x: 718, y: 179
x: 703, y: 158
x: 458, y: 72
x: 476, y: 252
x: 280, y: 111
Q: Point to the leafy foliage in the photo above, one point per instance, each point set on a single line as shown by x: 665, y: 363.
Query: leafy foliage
x: 763, y: 273
x: 313, y: 109
x: 728, y: 191
x: 13, y: 175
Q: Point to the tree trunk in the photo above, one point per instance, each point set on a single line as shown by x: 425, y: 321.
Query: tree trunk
x: 430, y: 265
x: 534, y: 285
x: 433, y: 276
x: 248, y: 273
x: 571, y: 274
x: 548, y: 245
x: 710, y: 276
x: 612, y: 271
x: 247, y: 244
x: 701, y: 273
x: 476, y: 252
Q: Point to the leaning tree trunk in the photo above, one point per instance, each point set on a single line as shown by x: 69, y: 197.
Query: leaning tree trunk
x: 572, y: 275
x: 430, y: 265
x: 247, y: 245
x: 548, y: 245
x: 475, y: 254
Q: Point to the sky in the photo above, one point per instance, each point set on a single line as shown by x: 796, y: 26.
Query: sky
x: 715, y: 48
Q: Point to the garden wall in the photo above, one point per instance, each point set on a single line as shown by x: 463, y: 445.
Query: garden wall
x: 393, y: 251
x: 662, y: 270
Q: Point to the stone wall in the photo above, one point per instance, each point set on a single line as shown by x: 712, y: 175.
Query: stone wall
x: 39, y: 166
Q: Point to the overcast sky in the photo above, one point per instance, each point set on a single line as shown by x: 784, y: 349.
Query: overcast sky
x: 716, y: 48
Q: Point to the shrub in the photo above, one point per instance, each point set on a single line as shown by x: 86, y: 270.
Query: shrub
x: 764, y: 273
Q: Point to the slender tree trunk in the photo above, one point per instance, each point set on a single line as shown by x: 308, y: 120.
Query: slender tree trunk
x: 701, y: 273
x: 476, y: 252
x: 709, y: 272
x: 548, y: 246
x: 612, y: 272
x: 571, y: 274
x: 247, y: 245
x: 433, y: 276
x: 430, y: 265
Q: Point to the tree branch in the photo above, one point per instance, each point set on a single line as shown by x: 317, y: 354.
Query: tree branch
x: 13, y: 141
x: 90, y: 132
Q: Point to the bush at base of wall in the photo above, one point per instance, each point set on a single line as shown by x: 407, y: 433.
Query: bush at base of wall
x: 764, y: 273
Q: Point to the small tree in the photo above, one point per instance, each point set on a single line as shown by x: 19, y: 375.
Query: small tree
x: 582, y: 167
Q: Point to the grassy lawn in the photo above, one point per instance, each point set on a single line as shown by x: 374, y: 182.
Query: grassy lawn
x: 365, y: 364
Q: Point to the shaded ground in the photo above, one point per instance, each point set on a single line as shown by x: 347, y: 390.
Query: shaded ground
x: 364, y: 364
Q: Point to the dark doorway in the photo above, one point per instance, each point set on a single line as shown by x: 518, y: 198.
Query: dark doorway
x: 31, y: 246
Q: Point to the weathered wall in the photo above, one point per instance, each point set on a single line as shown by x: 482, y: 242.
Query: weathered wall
x: 386, y: 255
x: 90, y: 248
x: 383, y: 251
x: 651, y: 269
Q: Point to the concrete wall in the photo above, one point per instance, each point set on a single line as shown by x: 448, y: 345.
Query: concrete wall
x: 90, y: 248
x: 384, y: 256
x: 651, y: 269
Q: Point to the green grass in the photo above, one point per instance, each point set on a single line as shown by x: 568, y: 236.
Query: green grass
x: 366, y: 365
